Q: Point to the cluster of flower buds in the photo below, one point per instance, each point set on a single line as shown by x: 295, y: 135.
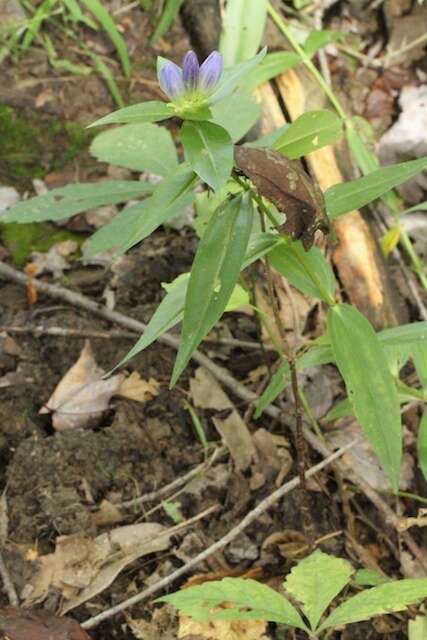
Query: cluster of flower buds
x: 194, y: 82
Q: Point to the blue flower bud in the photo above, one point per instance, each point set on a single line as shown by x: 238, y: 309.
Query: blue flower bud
x: 210, y: 71
x: 190, y: 71
x: 170, y: 80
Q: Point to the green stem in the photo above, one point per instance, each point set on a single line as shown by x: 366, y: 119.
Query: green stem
x: 412, y: 255
x: 282, y: 26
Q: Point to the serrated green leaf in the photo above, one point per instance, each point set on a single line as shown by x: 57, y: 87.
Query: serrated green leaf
x: 273, y: 65
x: 233, y: 77
x: 369, y: 578
x: 347, y: 196
x: 422, y: 444
x: 68, y: 201
x: 370, y: 385
x: 316, y: 581
x: 215, y: 271
x: 309, y: 132
x: 141, y: 147
x: 386, y: 598
x: 308, y: 271
x: 318, y: 39
x: 136, y: 222
x: 236, y: 114
x: 209, y: 150
x: 152, y: 111
x: 253, y: 601
x: 242, y: 29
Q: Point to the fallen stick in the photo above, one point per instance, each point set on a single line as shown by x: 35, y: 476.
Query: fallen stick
x: 229, y: 381
x: 253, y: 515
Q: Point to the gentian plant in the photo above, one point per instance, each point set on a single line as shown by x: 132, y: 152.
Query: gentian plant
x: 257, y: 204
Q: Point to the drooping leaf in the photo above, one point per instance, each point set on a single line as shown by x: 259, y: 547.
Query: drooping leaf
x: 141, y: 147
x: 370, y: 385
x: 273, y: 65
x: 422, y: 444
x: 215, y: 271
x: 136, y: 222
x: 318, y: 39
x: 152, y: 111
x: 68, y: 201
x: 308, y: 271
x: 209, y: 150
x: 316, y: 581
x: 108, y: 24
x: 386, y: 598
x: 309, y: 132
x: 236, y: 114
x: 233, y: 76
x: 242, y: 29
x: 347, y: 196
x: 251, y: 600
x: 288, y: 187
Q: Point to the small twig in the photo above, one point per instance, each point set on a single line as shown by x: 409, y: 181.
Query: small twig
x: 229, y: 381
x: 8, y: 584
x: 251, y: 517
x: 411, y: 45
x: 65, y: 332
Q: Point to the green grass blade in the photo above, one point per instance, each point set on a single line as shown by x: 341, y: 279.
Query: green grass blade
x: 107, y: 22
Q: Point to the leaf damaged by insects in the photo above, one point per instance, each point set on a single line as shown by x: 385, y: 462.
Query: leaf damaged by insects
x: 289, y: 188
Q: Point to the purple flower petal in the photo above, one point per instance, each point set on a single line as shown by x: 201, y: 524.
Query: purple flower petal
x: 170, y: 80
x: 190, y: 70
x: 211, y: 70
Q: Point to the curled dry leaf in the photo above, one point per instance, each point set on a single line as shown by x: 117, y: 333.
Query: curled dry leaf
x: 81, y: 397
x: 289, y: 188
x: 82, y: 567
x: 20, y: 624
x: 135, y: 388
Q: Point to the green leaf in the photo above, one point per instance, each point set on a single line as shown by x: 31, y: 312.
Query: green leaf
x: 214, y: 274
x: 278, y: 382
x: 253, y: 601
x: 308, y: 271
x: 370, y: 385
x: 268, y: 140
x: 209, y: 150
x: 152, y: 111
x: 422, y: 206
x: 138, y: 221
x: 233, y: 76
x: 168, y: 15
x: 107, y: 22
x: 369, y: 578
x: 68, y: 201
x: 422, y: 444
x: 347, y: 196
x: 242, y: 29
x: 419, y: 356
x: 404, y: 334
x: 318, y: 39
x: 141, y: 147
x: 316, y: 581
x: 239, y: 298
x: 259, y: 245
x: 273, y: 65
x: 104, y: 72
x: 236, y: 114
x: 309, y: 132
x: 386, y: 598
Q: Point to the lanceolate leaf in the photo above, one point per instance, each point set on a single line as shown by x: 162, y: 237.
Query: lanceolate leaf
x: 370, y: 385
x: 209, y: 149
x: 152, y: 111
x: 168, y: 15
x: 214, y: 274
x: 236, y: 114
x: 279, y: 381
x: 141, y: 147
x: 233, y: 76
x: 101, y: 13
x: 242, y: 29
x: 386, y: 598
x: 308, y: 271
x: 315, y: 581
x: 318, y: 39
x: 68, y: 201
x: 136, y: 222
x: 347, y: 196
x: 272, y: 65
x: 309, y: 132
x: 252, y: 600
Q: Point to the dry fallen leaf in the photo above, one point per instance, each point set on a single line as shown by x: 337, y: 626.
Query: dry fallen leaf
x: 135, y: 388
x: 19, y: 624
x: 81, y: 396
x: 223, y: 629
x: 207, y: 394
x: 82, y: 567
x: 54, y: 261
